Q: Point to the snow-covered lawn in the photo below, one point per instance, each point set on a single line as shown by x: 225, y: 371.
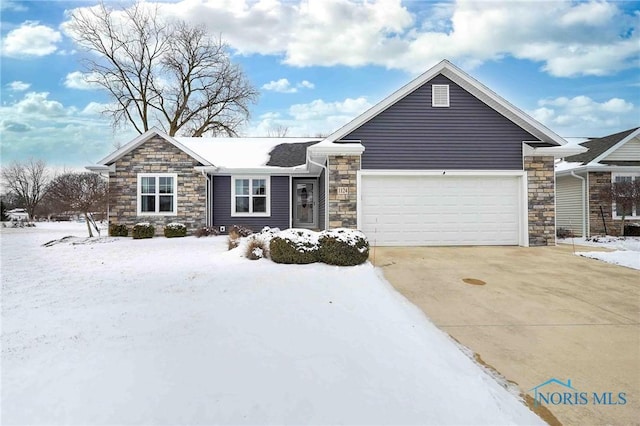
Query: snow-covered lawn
x: 626, y: 250
x: 181, y: 331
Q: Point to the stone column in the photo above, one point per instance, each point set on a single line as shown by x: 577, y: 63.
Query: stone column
x: 343, y: 191
x: 541, y: 200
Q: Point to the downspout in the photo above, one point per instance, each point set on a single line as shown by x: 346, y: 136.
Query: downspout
x: 584, y: 203
x: 326, y: 187
x: 207, y: 198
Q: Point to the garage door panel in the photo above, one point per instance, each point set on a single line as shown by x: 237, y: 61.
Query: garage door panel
x: 441, y: 210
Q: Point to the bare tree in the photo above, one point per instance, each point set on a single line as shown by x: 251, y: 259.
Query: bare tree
x: 278, y: 131
x: 625, y: 194
x: 80, y: 192
x: 162, y: 72
x: 28, y: 182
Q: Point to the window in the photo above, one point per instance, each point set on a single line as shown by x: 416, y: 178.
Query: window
x: 439, y: 95
x: 157, y: 193
x: 250, y: 196
x: 626, y: 209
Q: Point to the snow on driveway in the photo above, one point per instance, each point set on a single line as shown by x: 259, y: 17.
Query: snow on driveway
x: 180, y: 331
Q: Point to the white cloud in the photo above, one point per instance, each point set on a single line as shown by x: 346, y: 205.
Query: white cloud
x: 315, y: 118
x: 306, y: 84
x: 581, y: 114
x: 31, y: 39
x: 12, y: 6
x: 95, y: 108
x: 38, y: 103
x: 79, y: 80
x: 319, y: 109
x: 284, y: 86
x: 40, y: 127
x: 14, y: 126
x: 568, y: 38
x: 281, y: 86
x: 18, y: 86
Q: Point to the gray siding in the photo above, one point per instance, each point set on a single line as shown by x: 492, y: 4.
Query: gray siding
x: 322, y: 200
x: 280, y: 206
x: 411, y: 134
x: 569, y: 204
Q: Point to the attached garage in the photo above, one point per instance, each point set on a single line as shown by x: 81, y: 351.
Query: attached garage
x: 435, y: 209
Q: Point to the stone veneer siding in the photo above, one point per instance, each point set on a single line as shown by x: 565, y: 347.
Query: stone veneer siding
x: 597, y: 182
x: 343, y: 210
x: 156, y: 155
x: 541, y: 200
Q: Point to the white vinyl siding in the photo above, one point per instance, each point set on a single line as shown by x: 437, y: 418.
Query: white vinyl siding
x: 630, y: 151
x: 569, y: 204
x: 441, y: 210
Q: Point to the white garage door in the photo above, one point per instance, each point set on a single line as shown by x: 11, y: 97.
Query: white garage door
x: 440, y: 210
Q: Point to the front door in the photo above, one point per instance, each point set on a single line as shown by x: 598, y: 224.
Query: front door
x: 305, y: 204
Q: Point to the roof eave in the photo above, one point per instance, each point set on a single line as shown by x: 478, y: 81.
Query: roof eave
x: 599, y: 168
x: 555, y: 151
x: 265, y: 170
x: 333, y: 148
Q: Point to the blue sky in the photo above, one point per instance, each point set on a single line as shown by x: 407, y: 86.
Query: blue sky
x: 572, y: 65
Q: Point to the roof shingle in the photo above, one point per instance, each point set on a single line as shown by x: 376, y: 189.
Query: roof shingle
x: 598, y: 146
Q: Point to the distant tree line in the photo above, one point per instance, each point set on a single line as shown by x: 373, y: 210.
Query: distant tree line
x: 32, y: 185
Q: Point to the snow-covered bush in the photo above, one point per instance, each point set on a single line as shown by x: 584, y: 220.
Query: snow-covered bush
x: 343, y: 247
x: 142, y: 230
x: 256, y: 248
x: 118, y: 230
x: 175, y: 229
x: 299, y: 246
x: 236, y: 233
x: 206, y: 231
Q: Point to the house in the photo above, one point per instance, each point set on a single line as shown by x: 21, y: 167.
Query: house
x: 18, y: 215
x: 442, y: 161
x: 581, y: 178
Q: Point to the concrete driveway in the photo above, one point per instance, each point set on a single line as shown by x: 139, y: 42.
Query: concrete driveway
x: 543, y: 313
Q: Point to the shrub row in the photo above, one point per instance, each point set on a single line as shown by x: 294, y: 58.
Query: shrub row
x: 142, y: 230
x: 146, y: 230
x: 342, y: 247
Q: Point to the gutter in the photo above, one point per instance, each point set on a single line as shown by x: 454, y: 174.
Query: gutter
x: 584, y: 203
x: 555, y: 151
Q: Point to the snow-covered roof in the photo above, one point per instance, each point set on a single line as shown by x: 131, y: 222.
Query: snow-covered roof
x: 226, y: 152
x: 238, y: 152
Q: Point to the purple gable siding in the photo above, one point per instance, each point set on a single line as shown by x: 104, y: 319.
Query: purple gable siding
x: 280, y: 205
x: 411, y: 134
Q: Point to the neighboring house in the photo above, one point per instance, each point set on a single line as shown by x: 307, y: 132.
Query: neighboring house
x: 19, y: 215
x: 581, y: 178
x: 442, y: 161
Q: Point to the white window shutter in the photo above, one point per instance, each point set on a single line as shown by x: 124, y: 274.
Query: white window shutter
x: 440, y: 95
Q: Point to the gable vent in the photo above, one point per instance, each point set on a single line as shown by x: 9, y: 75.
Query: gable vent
x: 439, y: 95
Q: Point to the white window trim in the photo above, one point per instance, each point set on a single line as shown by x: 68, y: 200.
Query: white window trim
x: 433, y: 96
x: 636, y: 209
x: 267, y: 179
x: 174, y: 212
